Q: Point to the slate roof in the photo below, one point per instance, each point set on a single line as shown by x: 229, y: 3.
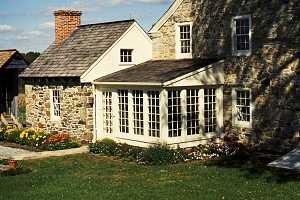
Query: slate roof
x: 6, y: 55
x: 157, y: 71
x: 78, y: 52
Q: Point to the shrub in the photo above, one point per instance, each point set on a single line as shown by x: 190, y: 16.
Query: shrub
x: 105, y: 147
x: 155, y: 155
x: 62, y: 145
x: 59, y: 137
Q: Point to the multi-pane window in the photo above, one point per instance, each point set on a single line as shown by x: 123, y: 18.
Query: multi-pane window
x: 243, y: 105
x: 185, y: 38
x: 174, y: 113
x: 126, y: 55
x: 123, y: 111
x: 193, y: 125
x: 56, y: 103
x: 210, y: 119
x: 107, y: 112
x: 242, y: 32
x: 138, y: 112
x: 154, y: 114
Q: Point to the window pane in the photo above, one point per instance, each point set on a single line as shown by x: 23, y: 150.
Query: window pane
x: 210, y: 122
x: 123, y: 111
x: 242, y: 34
x: 154, y: 114
x: 174, y: 113
x: 243, y: 105
x: 107, y: 112
x: 126, y: 55
x: 138, y: 112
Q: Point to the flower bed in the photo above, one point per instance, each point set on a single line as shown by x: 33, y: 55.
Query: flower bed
x: 163, y: 154
x: 36, y: 139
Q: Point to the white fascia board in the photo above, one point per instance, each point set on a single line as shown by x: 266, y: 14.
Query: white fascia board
x: 168, y: 83
x: 172, y: 9
x: 128, y: 83
x: 110, y: 48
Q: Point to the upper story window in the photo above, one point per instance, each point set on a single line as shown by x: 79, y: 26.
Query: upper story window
x: 241, y: 35
x: 126, y: 55
x: 184, y: 40
x: 55, y: 104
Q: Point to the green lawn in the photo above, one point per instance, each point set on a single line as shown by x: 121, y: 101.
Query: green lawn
x: 94, y: 177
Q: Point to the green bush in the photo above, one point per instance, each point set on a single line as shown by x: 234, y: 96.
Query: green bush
x: 62, y: 145
x: 155, y: 155
x: 105, y: 147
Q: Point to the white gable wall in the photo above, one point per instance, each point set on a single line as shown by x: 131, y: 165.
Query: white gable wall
x: 135, y: 38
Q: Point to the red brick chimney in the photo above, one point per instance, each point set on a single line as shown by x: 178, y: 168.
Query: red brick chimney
x: 66, y: 21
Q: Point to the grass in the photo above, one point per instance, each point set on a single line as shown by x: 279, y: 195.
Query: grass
x: 93, y: 177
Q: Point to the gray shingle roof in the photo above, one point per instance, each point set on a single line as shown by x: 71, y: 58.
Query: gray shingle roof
x: 157, y: 71
x: 78, y: 52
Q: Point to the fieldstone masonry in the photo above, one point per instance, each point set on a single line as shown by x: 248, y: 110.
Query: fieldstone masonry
x: 76, y: 108
x: 272, y: 71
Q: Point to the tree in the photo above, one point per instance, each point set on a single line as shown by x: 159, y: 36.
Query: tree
x: 31, y: 56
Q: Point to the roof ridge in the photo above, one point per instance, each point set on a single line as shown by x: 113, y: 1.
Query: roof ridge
x: 108, y: 22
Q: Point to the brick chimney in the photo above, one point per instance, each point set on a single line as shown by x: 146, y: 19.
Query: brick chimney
x: 66, y: 21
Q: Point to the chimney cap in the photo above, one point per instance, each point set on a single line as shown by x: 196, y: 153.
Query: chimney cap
x: 67, y: 12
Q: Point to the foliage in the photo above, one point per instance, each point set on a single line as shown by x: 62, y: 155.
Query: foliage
x: 39, y: 140
x: 155, y: 155
x: 31, y: 56
x: 22, y: 115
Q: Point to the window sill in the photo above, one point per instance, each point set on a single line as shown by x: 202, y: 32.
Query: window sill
x: 184, y: 55
x: 241, y: 53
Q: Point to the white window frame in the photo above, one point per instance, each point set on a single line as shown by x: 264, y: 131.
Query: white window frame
x: 107, y: 111
x: 153, y: 114
x: 126, y: 124
x: 236, y: 52
x: 212, y: 110
x: 138, y: 112
x: 54, y: 117
x: 180, y: 55
x: 127, y: 62
x: 235, y: 121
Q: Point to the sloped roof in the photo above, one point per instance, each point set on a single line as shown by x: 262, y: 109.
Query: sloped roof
x: 157, y: 71
x: 6, y: 55
x: 78, y: 52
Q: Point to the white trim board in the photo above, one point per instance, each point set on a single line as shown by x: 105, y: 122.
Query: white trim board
x: 172, y: 9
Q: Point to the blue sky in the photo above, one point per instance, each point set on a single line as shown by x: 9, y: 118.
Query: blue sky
x: 28, y: 25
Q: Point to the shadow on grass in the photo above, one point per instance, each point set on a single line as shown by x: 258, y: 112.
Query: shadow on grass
x: 15, y: 172
x: 255, y: 166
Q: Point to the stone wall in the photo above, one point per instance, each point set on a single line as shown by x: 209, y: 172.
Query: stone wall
x: 76, y: 108
x: 272, y: 71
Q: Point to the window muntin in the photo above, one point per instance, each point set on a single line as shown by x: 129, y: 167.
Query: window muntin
x: 138, y: 112
x: 210, y: 117
x: 243, y: 106
x: 242, y: 34
x: 193, y: 123
x: 185, y: 38
x: 107, y: 112
x: 154, y: 113
x: 123, y: 111
x: 56, y: 103
x: 174, y: 113
x: 126, y: 55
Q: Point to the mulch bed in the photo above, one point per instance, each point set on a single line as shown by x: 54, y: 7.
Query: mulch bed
x: 14, y: 145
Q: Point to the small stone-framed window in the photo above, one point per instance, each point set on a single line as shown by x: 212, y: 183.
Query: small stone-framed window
x: 241, y: 35
x: 55, y: 99
x: 184, y: 40
x: 242, y: 107
x: 126, y: 55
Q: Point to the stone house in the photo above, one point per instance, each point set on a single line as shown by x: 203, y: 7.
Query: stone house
x: 219, y: 68
x: 59, y: 93
x: 12, y: 63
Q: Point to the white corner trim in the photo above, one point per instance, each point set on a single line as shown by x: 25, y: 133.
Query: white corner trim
x: 166, y: 84
x: 178, y: 53
x: 135, y: 24
x: 172, y: 9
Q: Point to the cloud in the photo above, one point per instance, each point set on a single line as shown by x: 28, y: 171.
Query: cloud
x: 6, y: 28
x: 47, y: 25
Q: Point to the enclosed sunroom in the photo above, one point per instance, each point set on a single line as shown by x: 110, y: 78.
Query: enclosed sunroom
x: 175, y: 102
